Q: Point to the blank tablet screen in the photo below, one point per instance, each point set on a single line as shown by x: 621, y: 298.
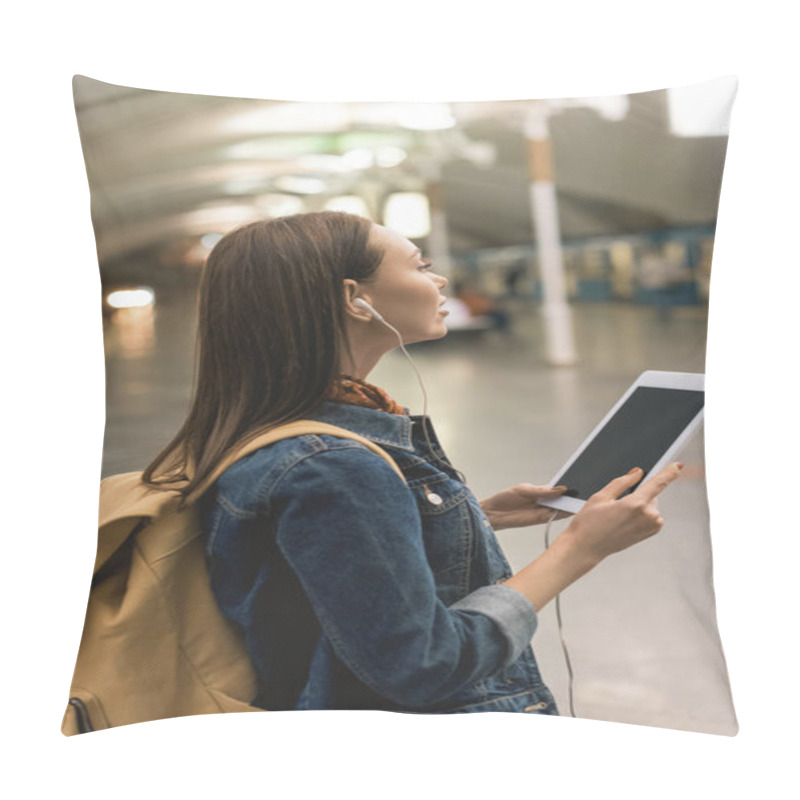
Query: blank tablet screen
x: 640, y: 432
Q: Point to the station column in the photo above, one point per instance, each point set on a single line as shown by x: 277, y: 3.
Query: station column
x: 560, y: 345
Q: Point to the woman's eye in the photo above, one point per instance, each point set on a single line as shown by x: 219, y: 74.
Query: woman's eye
x: 425, y: 267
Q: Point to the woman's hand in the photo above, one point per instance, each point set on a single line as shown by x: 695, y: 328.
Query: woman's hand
x: 606, y: 525
x: 603, y: 526
x: 518, y: 506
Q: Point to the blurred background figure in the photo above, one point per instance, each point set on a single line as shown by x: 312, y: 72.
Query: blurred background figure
x: 666, y: 278
x: 482, y: 308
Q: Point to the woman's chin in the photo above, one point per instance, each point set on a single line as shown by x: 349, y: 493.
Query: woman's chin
x: 439, y: 332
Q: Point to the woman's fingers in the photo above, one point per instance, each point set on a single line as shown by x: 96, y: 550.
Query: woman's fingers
x: 649, y: 490
x: 612, y: 490
x: 528, y: 490
x: 652, y: 512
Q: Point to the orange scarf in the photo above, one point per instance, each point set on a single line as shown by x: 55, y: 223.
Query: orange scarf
x: 347, y: 389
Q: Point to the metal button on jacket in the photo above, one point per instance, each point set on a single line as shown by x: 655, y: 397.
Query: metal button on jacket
x: 434, y: 499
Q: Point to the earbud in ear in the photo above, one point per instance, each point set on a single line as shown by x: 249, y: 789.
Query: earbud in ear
x: 364, y: 304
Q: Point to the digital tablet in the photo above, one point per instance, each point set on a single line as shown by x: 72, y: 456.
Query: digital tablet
x: 646, y: 428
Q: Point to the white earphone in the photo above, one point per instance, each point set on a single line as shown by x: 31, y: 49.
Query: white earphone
x: 364, y: 304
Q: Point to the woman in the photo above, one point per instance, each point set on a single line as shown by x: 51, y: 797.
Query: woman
x: 352, y: 589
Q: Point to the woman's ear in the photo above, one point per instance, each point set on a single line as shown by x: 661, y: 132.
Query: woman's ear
x: 352, y: 290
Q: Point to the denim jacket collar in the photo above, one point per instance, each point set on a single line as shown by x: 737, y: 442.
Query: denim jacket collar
x: 380, y: 427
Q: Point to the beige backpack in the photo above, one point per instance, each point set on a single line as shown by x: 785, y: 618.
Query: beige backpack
x: 155, y: 644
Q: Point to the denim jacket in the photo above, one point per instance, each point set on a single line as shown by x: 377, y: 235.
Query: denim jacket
x: 356, y: 591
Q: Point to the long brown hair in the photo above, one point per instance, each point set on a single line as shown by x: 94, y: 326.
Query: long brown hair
x: 271, y: 333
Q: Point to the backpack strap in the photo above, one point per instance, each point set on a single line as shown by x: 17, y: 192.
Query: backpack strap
x: 125, y: 502
x: 299, y: 427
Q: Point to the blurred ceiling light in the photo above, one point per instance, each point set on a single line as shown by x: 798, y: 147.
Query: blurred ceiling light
x: 408, y: 213
x: 611, y: 107
x: 425, y: 116
x: 280, y: 117
x: 481, y: 154
x: 274, y: 147
x: 701, y: 110
x: 323, y: 162
x: 300, y: 184
x: 364, y: 157
x: 389, y: 156
x: 375, y: 115
x: 141, y: 297
x: 350, y: 203
x: 360, y: 158
x: 279, y: 205
x: 209, y: 240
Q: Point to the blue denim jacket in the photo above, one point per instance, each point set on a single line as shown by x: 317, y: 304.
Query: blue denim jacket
x: 357, y: 591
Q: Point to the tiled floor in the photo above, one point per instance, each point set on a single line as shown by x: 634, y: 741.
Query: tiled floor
x: 641, y: 627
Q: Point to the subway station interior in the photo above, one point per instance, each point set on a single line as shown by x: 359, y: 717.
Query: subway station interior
x: 577, y: 239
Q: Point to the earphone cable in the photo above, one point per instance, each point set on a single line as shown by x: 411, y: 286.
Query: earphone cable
x: 560, y: 627
x: 424, y: 403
